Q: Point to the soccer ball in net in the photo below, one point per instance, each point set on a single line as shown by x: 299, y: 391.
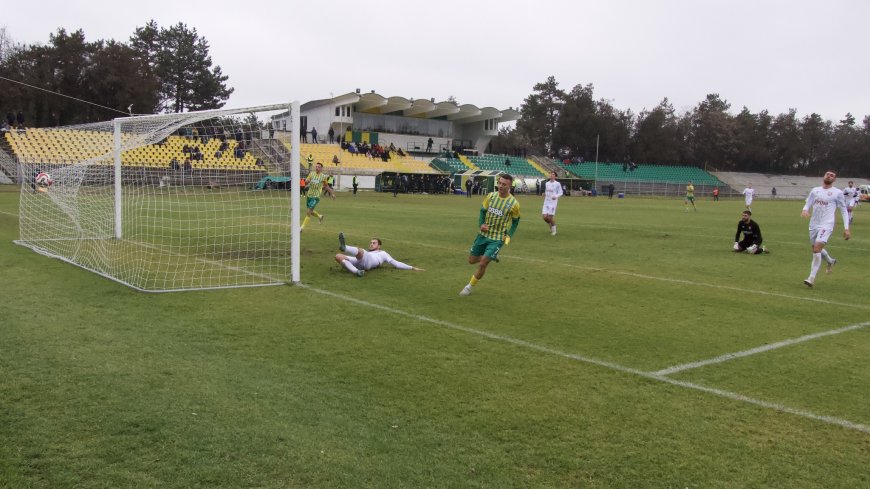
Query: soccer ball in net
x: 44, y: 179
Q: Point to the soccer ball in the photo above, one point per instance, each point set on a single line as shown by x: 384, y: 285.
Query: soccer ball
x: 44, y: 179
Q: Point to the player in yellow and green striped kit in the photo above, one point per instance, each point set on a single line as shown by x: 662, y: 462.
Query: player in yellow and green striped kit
x: 316, y: 185
x: 499, y: 218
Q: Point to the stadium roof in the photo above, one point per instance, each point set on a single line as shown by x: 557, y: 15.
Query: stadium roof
x: 373, y: 103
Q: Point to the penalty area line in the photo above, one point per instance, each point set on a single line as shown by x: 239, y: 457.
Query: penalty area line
x: 647, y: 277
x: 601, y: 363
x: 761, y: 349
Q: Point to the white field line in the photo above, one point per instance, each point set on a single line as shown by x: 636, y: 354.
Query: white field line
x: 609, y: 365
x: 636, y: 275
x: 650, y: 277
x: 694, y: 283
x: 760, y: 349
x: 8, y: 213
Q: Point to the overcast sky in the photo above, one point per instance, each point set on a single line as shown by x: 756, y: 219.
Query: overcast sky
x: 762, y: 54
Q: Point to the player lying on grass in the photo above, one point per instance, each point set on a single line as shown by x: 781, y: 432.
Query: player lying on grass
x: 361, y: 260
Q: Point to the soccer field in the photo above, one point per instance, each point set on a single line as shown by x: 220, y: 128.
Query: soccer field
x: 632, y: 350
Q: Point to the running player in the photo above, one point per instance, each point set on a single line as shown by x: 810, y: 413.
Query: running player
x: 361, y: 260
x: 552, y: 192
x: 690, y: 197
x: 824, y: 202
x: 851, y: 194
x: 748, y: 194
x: 499, y: 210
x: 316, y: 185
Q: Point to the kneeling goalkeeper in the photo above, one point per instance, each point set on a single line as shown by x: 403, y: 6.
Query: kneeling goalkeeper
x: 751, y: 242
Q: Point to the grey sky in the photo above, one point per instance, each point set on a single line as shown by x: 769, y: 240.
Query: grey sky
x: 763, y: 54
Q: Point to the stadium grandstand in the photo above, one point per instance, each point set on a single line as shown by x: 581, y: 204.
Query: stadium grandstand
x: 205, y: 156
x: 374, y: 138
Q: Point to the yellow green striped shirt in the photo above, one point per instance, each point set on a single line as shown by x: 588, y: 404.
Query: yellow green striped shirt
x: 500, y: 213
x: 315, y: 184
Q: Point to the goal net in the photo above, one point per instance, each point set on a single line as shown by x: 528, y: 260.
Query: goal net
x: 196, y: 200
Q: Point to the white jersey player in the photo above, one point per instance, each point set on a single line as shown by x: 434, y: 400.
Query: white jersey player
x: 851, y: 195
x: 552, y: 192
x: 748, y: 194
x: 824, y: 202
x: 361, y: 260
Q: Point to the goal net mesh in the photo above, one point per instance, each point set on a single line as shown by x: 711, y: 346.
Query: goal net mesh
x: 204, y: 198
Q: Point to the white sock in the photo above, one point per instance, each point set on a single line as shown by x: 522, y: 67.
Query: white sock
x: 347, y: 264
x: 825, y: 256
x: 817, y: 262
x: 351, y: 250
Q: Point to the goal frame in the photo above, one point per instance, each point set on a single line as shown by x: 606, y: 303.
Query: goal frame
x: 117, y: 192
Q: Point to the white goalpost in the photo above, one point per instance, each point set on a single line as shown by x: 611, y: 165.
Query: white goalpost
x: 170, y: 202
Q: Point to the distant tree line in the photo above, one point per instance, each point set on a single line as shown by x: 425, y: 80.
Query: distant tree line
x: 157, y: 70
x: 566, y: 125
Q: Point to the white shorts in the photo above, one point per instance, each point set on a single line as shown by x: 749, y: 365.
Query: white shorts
x: 367, y: 263
x: 820, y: 234
x: 549, y: 208
x: 748, y: 201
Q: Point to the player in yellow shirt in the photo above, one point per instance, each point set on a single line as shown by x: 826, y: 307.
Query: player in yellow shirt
x: 316, y: 185
x: 499, y: 218
x: 690, y: 197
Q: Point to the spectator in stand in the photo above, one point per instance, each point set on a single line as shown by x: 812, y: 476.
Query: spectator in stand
x: 314, y: 135
x: 335, y: 160
x: 10, y: 119
x: 187, y: 165
x: 468, y: 184
x: 429, y: 145
x: 331, y: 134
x: 401, y: 153
x: 4, y: 126
x: 304, y: 136
x: 507, y: 162
x: 271, y: 131
x: 20, y: 121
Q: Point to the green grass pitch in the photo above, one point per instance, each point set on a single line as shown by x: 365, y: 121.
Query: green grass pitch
x: 553, y: 373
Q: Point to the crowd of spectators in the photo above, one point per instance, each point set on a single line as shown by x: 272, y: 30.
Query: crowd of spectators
x: 13, y: 122
x: 371, y: 151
